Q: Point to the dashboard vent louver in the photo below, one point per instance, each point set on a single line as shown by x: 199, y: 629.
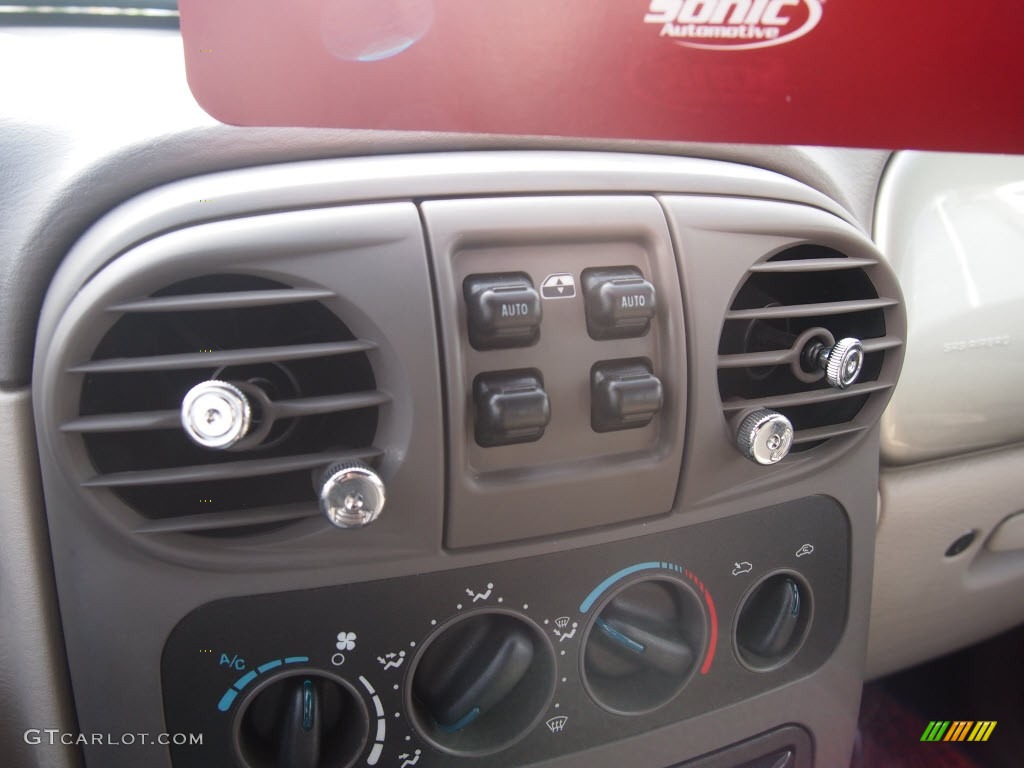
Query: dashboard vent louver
x: 319, y: 403
x: 807, y: 294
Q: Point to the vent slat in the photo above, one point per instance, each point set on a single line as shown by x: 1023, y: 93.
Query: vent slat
x: 813, y: 265
x: 124, y: 422
x: 802, y: 436
x: 882, y: 344
x: 806, y: 398
x: 282, y: 409
x: 219, y: 357
x: 226, y: 300
x: 785, y: 356
x: 226, y: 471
x: 810, y: 310
x: 312, y: 406
x: 757, y: 359
x: 233, y: 519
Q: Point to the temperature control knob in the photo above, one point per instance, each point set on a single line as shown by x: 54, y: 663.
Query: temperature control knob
x: 764, y: 437
x: 351, y: 495
x: 643, y: 645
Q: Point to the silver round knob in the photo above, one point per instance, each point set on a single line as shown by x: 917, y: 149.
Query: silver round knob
x: 842, y: 363
x: 764, y: 437
x: 351, y: 495
x: 216, y: 414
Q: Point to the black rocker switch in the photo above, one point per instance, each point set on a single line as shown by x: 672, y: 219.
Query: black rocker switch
x: 511, y: 407
x: 502, y: 310
x: 624, y: 394
x: 620, y: 303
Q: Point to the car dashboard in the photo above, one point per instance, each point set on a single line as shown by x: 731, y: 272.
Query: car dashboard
x: 364, y: 448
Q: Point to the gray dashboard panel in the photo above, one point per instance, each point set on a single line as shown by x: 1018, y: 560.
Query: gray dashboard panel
x: 105, y: 132
x: 109, y: 586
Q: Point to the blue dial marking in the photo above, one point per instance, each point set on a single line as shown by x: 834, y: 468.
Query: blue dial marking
x: 592, y: 598
x: 618, y: 637
x: 245, y: 679
x: 227, y: 700
x: 308, y: 705
x: 462, y: 722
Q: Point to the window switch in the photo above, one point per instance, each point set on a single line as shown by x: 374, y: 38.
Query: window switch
x: 624, y: 394
x: 619, y: 302
x: 511, y: 407
x: 502, y: 311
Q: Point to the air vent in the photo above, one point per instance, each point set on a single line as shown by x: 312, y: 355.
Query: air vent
x: 317, y: 402
x: 809, y: 295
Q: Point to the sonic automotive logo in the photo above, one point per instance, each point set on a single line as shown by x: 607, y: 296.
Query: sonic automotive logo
x: 734, y: 25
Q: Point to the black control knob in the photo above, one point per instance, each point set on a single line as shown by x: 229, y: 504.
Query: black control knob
x: 302, y: 721
x: 772, y: 621
x: 642, y: 645
x: 481, y: 683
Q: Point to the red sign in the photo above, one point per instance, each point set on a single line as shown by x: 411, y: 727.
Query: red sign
x: 863, y: 73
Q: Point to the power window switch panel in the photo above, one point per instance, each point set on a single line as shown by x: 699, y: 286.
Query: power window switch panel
x: 620, y: 303
x: 502, y: 311
x: 624, y: 394
x: 511, y: 407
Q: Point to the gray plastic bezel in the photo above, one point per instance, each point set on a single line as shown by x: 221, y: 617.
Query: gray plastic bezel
x: 366, y: 255
x: 502, y: 493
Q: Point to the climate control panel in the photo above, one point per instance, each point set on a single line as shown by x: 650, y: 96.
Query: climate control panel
x: 513, y: 662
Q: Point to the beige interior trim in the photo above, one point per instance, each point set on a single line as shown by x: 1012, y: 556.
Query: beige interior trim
x: 926, y: 604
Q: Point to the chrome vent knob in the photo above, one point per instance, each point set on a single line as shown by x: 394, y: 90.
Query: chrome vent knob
x: 842, y: 363
x: 764, y: 437
x: 351, y: 495
x: 216, y: 414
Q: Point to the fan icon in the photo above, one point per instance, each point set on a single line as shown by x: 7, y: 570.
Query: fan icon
x: 346, y: 641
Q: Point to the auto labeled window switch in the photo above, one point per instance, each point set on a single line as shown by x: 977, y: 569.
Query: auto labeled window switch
x: 511, y: 407
x: 624, y: 394
x: 502, y: 310
x: 619, y: 302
